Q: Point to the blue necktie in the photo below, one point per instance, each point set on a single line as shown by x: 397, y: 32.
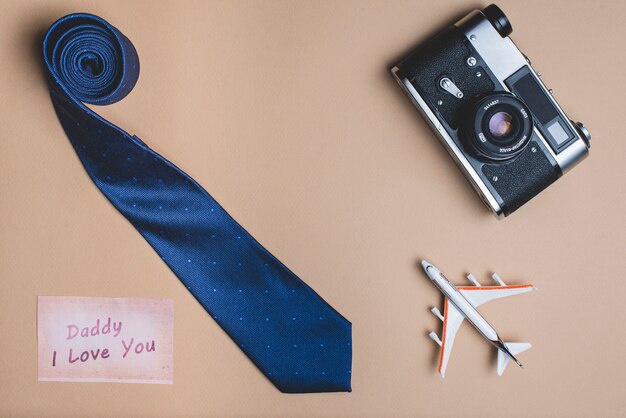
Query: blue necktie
x: 293, y: 336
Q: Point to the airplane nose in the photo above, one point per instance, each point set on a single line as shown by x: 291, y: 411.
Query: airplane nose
x: 425, y: 265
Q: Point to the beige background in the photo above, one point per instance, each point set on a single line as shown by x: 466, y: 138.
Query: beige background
x: 286, y: 113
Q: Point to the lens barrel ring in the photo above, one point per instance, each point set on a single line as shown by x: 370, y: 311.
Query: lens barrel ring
x: 506, y: 143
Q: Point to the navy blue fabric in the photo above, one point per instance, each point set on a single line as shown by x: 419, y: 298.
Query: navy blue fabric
x: 293, y: 336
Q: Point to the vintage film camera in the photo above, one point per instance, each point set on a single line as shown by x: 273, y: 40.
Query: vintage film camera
x: 491, y: 110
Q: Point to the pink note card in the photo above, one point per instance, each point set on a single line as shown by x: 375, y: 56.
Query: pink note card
x: 85, y: 339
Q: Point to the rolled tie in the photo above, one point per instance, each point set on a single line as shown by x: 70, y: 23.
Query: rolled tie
x: 90, y: 59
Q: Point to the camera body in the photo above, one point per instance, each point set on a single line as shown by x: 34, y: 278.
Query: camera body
x: 491, y: 110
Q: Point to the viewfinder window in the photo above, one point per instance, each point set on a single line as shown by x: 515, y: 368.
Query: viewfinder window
x: 558, y: 133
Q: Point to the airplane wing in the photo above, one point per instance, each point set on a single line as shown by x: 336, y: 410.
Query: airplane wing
x: 478, y: 295
x: 452, y: 320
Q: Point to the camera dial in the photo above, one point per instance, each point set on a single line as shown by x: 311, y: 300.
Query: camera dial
x: 498, y: 19
x: 499, y: 127
x: 583, y: 132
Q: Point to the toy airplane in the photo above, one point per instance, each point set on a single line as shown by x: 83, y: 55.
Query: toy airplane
x: 461, y: 303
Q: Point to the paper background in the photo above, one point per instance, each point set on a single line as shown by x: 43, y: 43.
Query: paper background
x: 286, y: 113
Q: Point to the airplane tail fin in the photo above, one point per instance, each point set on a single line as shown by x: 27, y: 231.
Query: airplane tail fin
x: 514, y: 348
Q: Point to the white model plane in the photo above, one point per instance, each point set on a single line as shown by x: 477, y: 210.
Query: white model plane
x: 461, y: 303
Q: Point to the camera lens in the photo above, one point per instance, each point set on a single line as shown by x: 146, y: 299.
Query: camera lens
x: 500, y: 124
x: 498, y: 19
x: 498, y: 127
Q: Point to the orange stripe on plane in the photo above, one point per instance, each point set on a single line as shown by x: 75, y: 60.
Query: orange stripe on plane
x: 443, y: 336
x: 519, y: 286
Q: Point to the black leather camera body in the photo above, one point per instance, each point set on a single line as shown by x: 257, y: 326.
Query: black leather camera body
x: 491, y: 110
